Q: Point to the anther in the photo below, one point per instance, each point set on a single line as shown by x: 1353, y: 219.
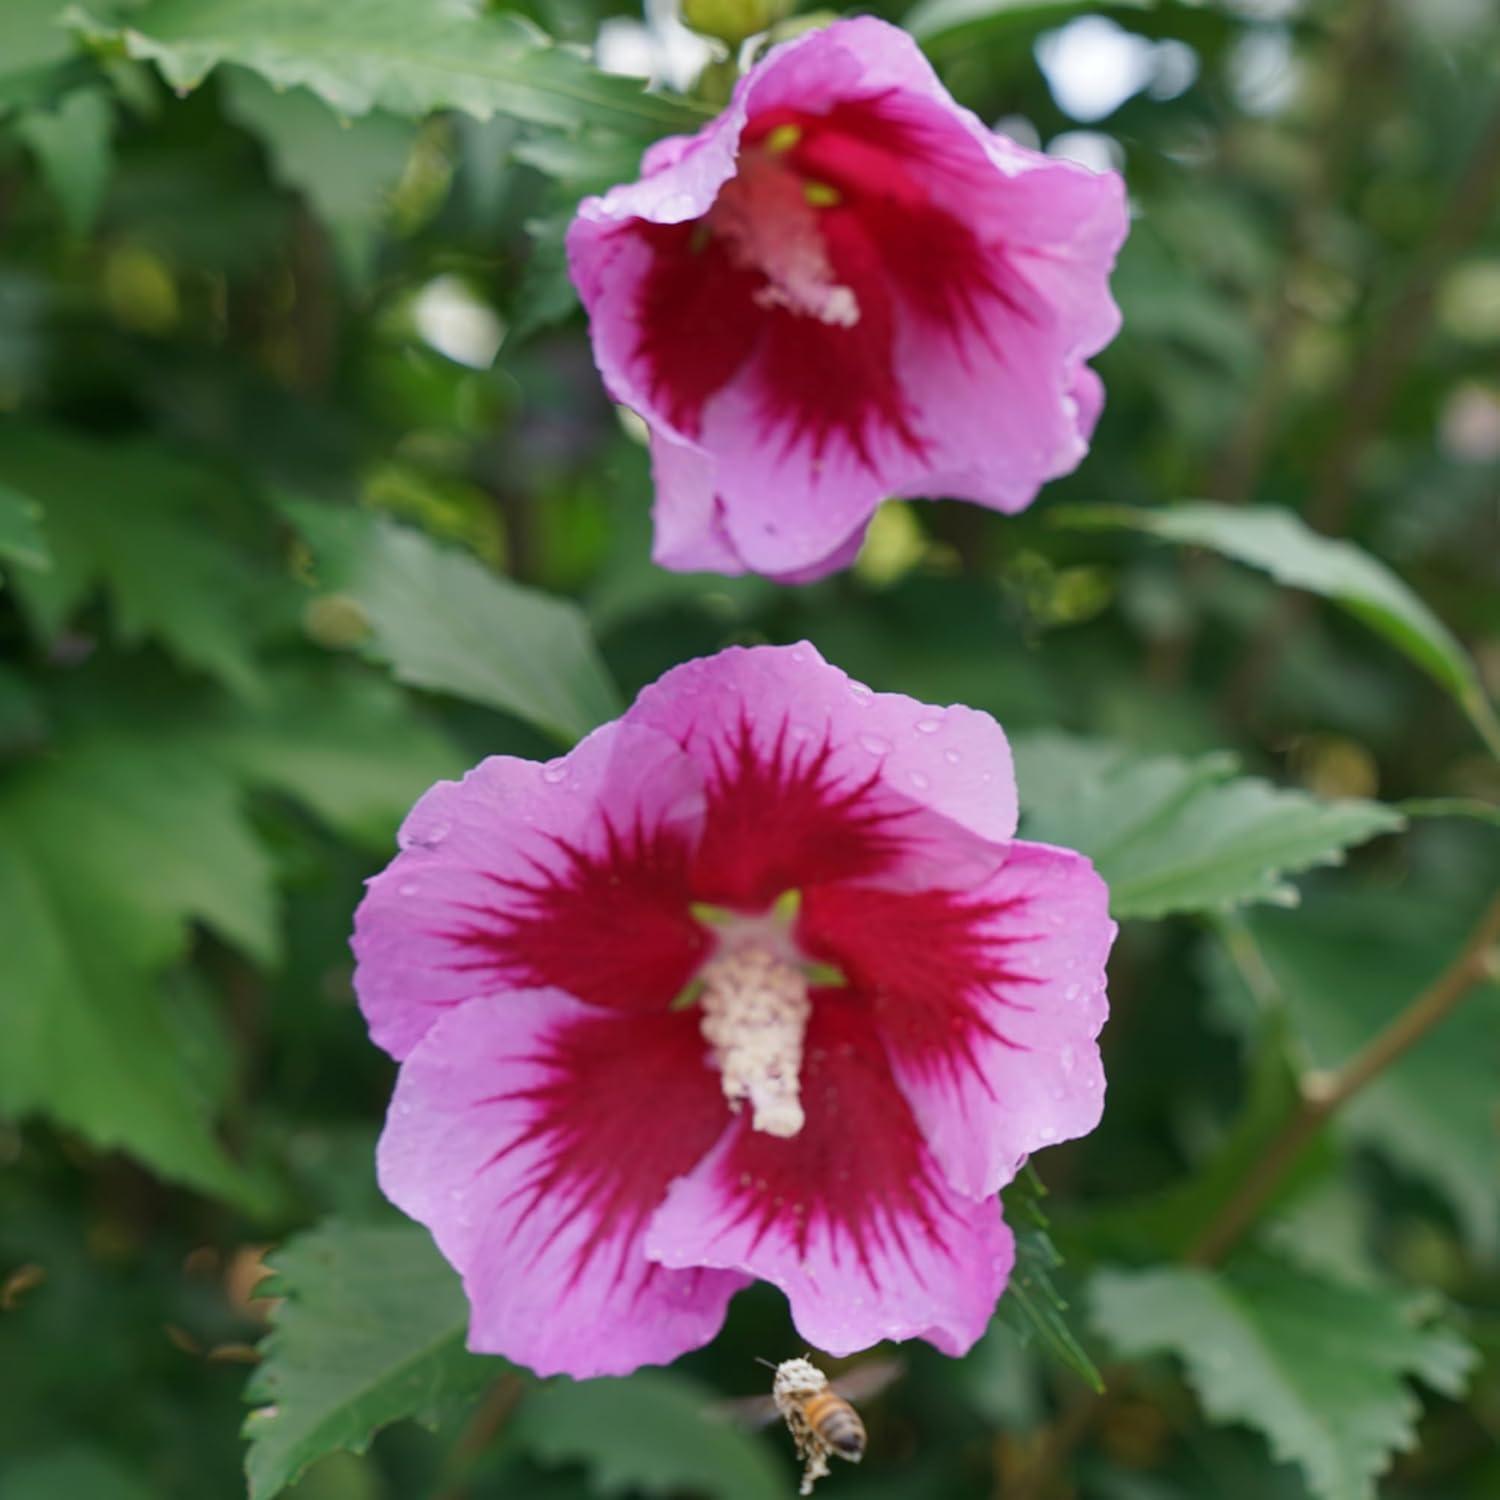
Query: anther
x: 755, y: 1011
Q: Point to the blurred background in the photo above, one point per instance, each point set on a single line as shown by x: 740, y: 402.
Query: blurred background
x: 288, y: 391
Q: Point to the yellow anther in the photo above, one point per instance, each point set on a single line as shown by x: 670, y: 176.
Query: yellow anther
x: 783, y: 138
x: 820, y: 195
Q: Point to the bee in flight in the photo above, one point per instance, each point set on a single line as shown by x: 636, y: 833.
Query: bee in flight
x: 820, y: 1420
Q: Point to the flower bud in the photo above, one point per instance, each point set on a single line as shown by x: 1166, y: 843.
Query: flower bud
x: 732, y: 21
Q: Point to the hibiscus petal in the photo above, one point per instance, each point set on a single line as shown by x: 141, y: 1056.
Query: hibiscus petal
x: 813, y: 778
x: 535, y: 1158
x: 966, y: 282
x: 851, y: 1217
x: 570, y: 874
x: 989, y: 1003
x: 688, y: 520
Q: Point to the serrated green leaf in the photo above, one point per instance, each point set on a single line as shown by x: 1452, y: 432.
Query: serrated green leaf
x: 1177, y: 835
x: 407, y: 56
x: 370, y: 1330
x: 1342, y: 969
x: 71, y: 143
x: 1280, y: 543
x: 1320, y: 1368
x: 444, y: 621
x: 350, y: 747
x: 107, y: 855
x: 653, y: 1433
x: 130, y: 519
x: 1032, y: 1305
x: 21, y: 538
x: 346, y: 168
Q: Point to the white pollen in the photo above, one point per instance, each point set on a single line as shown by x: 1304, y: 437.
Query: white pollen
x: 769, y: 226
x: 755, y: 1011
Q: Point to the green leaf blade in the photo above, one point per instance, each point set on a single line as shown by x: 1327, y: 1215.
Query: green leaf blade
x: 1318, y: 1367
x: 1174, y: 835
x: 106, y: 857
x: 370, y: 1331
x: 407, y: 56
x: 1280, y: 543
x: 444, y: 621
x: 654, y: 1433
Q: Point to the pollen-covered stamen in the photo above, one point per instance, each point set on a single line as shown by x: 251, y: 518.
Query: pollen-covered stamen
x: 768, y: 217
x: 755, y: 1010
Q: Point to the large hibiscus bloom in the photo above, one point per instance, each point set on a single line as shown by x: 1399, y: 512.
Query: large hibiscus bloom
x: 755, y: 982
x: 845, y: 288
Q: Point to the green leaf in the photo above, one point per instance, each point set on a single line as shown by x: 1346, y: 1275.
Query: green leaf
x: 71, y: 143
x: 1451, y: 807
x: 1320, y: 1368
x: 407, y: 56
x: 1345, y: 967
x: 37, y: 46
x: 346, y: 168
x: 936, y: 23
x: 1032, y: 1305
x: 370, y: 1330
x: 1280, y: 543
x: 654, y: 1433
x: 108, y: 854
x: 1177, y: 835
x: 350, y: 747
x: 587, y: 164
x: 444, y: 621
x: 545, y: 294
x: 136, y: 522
x: 21, y: 538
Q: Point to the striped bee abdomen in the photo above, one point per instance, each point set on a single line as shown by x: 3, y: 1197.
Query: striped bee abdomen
x: 837, y: 1423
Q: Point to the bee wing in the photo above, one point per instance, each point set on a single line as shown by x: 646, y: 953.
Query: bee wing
x: 748, y: 1412
x: 866, y: 1381
x: 862, y: 1383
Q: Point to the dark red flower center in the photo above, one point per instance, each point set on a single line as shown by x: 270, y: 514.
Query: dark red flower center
x: 825, y: 239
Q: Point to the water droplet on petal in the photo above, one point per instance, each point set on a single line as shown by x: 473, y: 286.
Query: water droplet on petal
x: 409, y: 889
x: 952, y: 757
x: 555, y: 771
x: 929, y: 726
x: 875, y: 745
x: 920, y: 779
x: 860, y: 693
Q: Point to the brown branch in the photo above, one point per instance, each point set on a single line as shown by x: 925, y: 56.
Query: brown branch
x: 1324, y: 1094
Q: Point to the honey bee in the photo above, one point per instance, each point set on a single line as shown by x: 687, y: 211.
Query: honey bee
x: 821, y: 1421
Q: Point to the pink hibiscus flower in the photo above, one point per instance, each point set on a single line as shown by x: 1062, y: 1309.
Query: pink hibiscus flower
x: 846, y: 288
x: 755, y: 982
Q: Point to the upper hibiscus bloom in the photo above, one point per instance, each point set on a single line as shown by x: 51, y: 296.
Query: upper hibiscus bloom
x: 845, y: 288
x: 755, y: 982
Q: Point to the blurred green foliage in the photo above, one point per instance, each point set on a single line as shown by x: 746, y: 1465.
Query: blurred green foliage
x: 309, y: 495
